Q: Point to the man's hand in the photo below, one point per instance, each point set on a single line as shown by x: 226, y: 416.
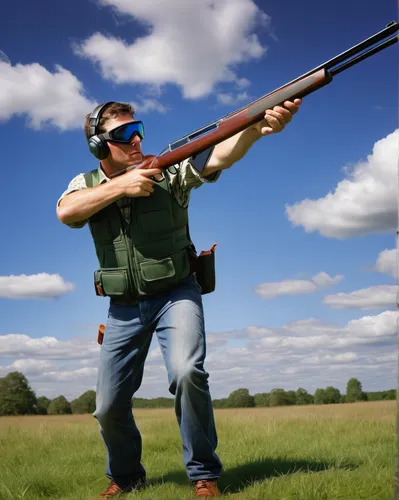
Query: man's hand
x: 137, y: 182
x: 277, y: 118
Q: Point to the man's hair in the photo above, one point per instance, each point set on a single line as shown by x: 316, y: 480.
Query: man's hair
x: 113, y: 111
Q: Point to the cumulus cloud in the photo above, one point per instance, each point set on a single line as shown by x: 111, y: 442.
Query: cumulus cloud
x: 379, y: 326
x: 178, y: 49
x: 269, y: 290
x: 43, y: 97
x: 345, y: 357
x: 145, y: 105
x: 29, y: 367
x: 387, y: 262
x: 229, y: 98
x: 36, y: 286
x: 374, y: 297
x: 24, y: 347
x: 305, y: 353
x: 300, y: 336
x: 364, y: 202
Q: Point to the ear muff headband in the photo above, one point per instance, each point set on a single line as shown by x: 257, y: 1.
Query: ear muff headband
x: 97, y: 145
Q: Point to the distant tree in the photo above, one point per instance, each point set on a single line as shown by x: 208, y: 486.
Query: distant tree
x: 16, y: 395
x: 153, y: 403
x: 59, y: 406
x: 303, y: 397
x: 353, y: 390
x: 374, y: 396
x: 220, y: 403
x: 319, y: 396
x: 363, y: 396
x: 85, y: 403
x: 262, y: 399
x: 390, y: 395
x: 240, y: 399
x: 278, y: 397
x: 42, y: 405
x: 291, y: 397
x: 331, y: 395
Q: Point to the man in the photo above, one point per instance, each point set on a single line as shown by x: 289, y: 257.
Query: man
x: 139, y: 224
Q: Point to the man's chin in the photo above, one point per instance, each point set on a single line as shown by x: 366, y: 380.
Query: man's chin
x: 135, y: 159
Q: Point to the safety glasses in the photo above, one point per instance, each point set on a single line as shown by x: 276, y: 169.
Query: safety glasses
x: 125, y: 133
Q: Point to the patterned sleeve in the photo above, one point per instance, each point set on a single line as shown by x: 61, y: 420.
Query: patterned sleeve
x: 76, y: 184
x: 185, y: 178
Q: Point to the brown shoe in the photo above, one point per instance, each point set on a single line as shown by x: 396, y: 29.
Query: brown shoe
x: 206, y: 488
x: 113, y: 490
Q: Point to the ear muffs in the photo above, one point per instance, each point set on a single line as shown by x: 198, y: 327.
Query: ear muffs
x: 97, y: 145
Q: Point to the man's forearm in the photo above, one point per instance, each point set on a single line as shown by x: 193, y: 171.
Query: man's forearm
x: 82, y: 204
x: 231, y: 150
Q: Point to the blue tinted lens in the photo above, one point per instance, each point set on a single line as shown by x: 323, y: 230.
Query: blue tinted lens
x: 126, y: 132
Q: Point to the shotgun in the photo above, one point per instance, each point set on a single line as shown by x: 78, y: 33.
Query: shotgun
x: 204, y: 138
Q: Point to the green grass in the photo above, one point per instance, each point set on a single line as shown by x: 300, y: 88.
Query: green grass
x: 335, y: 452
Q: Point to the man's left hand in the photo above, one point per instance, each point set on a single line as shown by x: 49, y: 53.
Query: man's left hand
x: 277, y: 118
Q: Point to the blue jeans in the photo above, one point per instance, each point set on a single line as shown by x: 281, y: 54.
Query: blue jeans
x: 177, y: 319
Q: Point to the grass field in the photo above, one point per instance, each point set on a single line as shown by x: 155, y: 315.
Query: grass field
x: 304, y: 453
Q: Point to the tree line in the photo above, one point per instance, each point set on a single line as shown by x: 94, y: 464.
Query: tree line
x: 18, y: 398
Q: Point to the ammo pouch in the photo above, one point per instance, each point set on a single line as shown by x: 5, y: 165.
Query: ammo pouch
x: 204, y: 268
x: 111, y: 282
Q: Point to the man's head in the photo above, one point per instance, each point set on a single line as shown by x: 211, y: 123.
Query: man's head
x: 97, y: 126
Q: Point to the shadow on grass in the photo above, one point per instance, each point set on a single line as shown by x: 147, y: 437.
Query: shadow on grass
x: 234, y: 479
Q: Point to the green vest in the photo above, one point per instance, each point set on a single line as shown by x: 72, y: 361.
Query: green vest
x: 144, y: 255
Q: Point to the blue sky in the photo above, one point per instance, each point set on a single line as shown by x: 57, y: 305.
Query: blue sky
x: 305, y: 223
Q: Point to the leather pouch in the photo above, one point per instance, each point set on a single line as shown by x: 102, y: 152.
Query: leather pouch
x: 205, y: 270
x: 100, y: 335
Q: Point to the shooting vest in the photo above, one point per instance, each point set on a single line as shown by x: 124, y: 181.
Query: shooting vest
x: 145, y: 255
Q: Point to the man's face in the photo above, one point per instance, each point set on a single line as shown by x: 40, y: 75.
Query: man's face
x: 124, y: 155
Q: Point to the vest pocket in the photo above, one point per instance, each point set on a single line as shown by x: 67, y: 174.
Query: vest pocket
x: 159, y: 275
x: 157, y: 269
x: 111, y: 282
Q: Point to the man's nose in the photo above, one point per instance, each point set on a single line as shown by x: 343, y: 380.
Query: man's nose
x: 136, y: 139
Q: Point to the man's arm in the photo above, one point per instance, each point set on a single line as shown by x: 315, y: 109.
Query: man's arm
x: 228, y: 152
x: 81, y: 204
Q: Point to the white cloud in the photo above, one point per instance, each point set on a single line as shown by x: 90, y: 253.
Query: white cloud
x: 345, y: 357
x: 374, y: 297
x: 314, y: 325
x: 178, y: 49
x: 304, y: 353
x: 323, y: 279
x: 230, y: 98
x: 45, y: 98
x: 145, y: 105
x: 381, y: 325
x: 36, y: 286
x: 364, y: 202
x: 255, y: 332
x: 29, y: 367
x: 270, y: 290
x: 243, y: 83
x: 387, y: 262
x: 23, y: 346
x: 70, y: 375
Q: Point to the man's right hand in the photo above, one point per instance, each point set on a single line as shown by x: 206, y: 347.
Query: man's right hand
x: 137, y: 182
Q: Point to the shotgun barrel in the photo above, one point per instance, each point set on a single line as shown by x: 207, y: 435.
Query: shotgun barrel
x: 205, y: 137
